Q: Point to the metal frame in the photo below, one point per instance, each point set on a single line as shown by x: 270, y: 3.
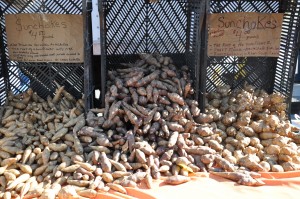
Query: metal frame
x: 155, y: 30
x: 88, y: 69
x: 271, y: 74
x: 41, y: 75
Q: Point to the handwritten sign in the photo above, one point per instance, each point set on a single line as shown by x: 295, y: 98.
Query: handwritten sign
x: 45, y: 37
x: 245, y: 34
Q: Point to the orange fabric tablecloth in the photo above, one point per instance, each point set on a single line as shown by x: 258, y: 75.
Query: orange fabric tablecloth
x: 278, y: 186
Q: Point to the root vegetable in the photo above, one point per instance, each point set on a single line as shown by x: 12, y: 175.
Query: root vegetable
x: 277, y: 168
x: 96, y: 182
x: 99, y: 149
x: 118, y: 166
x: 200, y: 150
x: 79, y: 183
x: 107, y: 177
x: 25, y: 168
x: 215, y: 145
x: 22, y: 178
x: 173, y: 139
x: 86, y: 165
x: 147, y: 79
x: 25, y: 188
x: 290, y: 166
x: 88, y: 193
x: 105, y: 163
x: 132, y: 81
x: 204, y: 131
x: 174, y: 97
x: 117, y: 188
x: 3, y: 169
x: 226, y: 165
x: 9, y: 176
x: 140, y: 156
x: 67, y: 192
x: 150, y: 116
x: 71, y: 169
x: 268, y: 135
x: 120, y: 174
x: 12, y: 150
x: 60, y: 133
x: 175, y: 180
x: 250, y: 162
x: 240, y: 178
x: 128, y: 183
x: 273, y: 149
x: 175, y: 126
x: 149, y: 122
x: 148, y: 181
x: 58, y: 147
x: 7, y: 195
x: 85, y: 172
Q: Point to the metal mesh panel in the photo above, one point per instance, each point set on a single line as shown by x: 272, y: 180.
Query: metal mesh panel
x: 168, y: 27
x: 286, y: 63
x: 125, y: 27
x: 1, y: 52
x: 62, y: 6
x: 2, y: 91
x: 39, y: 76
x: 233, y: 70
x: 271, y: 74
x: 135, y: 26
x: 271, y: 6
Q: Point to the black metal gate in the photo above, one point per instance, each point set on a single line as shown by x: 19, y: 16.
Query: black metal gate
x: 19, y: 76
x: 269, y: 73
x: 178, y: 28
x: 171, y: 28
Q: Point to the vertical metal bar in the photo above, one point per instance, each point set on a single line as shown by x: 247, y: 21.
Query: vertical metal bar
x: 43, y: 6
x: 88, y: 77
x: 4, y: 66
x: 294, y: 54
x: 103, y: 52
x: 147, y: 23
x: 282, y: 6
x: 297, y: 77
x: 239, y: 8
x: 188, y: 29
x: 203, y: 54
x: 198, y: 45
x: 281, y: 9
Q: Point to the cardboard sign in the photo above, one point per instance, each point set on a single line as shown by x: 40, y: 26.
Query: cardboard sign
x: 245, y: 34
x: 45, y: 37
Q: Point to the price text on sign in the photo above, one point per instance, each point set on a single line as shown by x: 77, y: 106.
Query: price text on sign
x: 245, y: 34
x: 45, y: 37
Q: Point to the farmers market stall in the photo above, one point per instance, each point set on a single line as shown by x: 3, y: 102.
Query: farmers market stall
x: 186, y: 107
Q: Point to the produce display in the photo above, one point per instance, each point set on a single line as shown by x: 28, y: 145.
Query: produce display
x: 150, y: 128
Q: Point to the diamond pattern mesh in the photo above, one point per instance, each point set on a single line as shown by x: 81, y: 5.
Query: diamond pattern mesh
x: 285, y: 68
x: 2, y: 90
x: 169, y: 27
x: 271, y: 74
x: 39, y: 76
x: 235, y: 71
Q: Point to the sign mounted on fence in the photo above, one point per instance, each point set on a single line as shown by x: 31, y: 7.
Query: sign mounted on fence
x: 245, y: 34
x: 45, y: 37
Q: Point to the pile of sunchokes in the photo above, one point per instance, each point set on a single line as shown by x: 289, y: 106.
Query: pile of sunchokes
x: 150, y: 128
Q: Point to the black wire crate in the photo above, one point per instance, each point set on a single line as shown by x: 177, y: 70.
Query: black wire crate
x: 274, y: 74
x: 43, y: 76
x: 169, y: 27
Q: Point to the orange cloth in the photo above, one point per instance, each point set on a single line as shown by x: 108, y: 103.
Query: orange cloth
x: 278, y: 186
